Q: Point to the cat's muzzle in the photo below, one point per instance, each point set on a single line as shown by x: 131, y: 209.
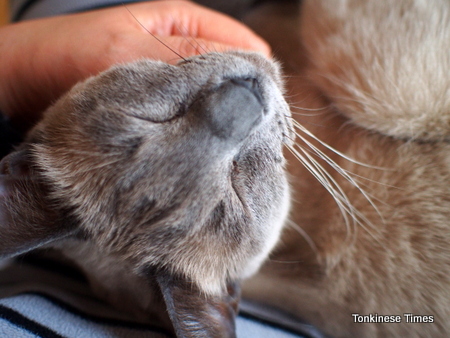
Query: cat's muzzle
x: 233, y: 109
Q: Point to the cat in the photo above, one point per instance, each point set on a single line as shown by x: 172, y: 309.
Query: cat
x: 368, y: 234
x: 167, y: 179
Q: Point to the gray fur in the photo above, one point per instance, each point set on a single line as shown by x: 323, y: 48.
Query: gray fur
x: 161, y: 168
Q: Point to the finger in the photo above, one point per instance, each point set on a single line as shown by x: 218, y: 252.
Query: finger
x: 170, y: 49
x: 184, y: 47
x: 186, y: 19
x: 230, y: 32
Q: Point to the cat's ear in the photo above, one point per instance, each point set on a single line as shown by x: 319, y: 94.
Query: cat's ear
x: 194, y: 314
x: 27, y: 220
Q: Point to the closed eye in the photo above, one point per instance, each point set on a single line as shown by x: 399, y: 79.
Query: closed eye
x: 181, y: 112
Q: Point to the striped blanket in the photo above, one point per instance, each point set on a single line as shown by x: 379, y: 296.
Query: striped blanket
x: 40, y: 297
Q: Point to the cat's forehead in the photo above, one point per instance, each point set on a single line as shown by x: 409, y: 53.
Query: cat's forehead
x: 202, y: 69
x: 252, y: 64
x: 157, y: 91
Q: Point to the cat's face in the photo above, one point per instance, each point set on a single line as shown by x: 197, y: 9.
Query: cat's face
x: 178, y: 167
x: 175, y: 168
x: 174, y: 171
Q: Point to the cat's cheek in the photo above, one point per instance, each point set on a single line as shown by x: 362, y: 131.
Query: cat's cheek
x: 272, y: 231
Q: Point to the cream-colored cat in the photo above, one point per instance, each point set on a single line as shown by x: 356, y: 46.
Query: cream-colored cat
x: 368, y: 78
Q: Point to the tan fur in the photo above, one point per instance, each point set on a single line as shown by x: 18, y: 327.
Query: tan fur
x: 368, y: 78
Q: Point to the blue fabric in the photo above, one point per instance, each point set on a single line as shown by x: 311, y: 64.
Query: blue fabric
x: 61, y: 321
x: 10, y: 330
x: 251, y: 328
x: 56, y: 301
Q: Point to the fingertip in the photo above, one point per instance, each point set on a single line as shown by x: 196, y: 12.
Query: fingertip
x: 262, y: 48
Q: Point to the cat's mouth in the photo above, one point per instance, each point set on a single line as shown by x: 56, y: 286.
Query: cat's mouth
x: 234, y: 177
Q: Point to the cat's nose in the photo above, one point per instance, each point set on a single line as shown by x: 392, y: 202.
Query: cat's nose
x: 233, y: 109
x: 251, y: 84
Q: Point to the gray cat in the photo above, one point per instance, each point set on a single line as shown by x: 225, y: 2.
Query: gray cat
x: 183, y: 197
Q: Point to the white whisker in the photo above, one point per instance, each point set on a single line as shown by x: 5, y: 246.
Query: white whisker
x: 344, y: 173
x: 319, y: 176
x: 303, y: 233
x: 306, y: 156
x: 307, y: 132
x: 310, y: 109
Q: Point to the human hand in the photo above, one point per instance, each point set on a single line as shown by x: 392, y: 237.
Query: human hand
x: 42, y: 59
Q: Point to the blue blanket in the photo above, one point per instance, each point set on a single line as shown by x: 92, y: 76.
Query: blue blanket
x: 42, y: 298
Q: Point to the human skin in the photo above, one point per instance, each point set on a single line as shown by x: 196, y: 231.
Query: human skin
x: 42, y: 59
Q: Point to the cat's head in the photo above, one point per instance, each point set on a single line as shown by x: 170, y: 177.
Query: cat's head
x: 177, y: 171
